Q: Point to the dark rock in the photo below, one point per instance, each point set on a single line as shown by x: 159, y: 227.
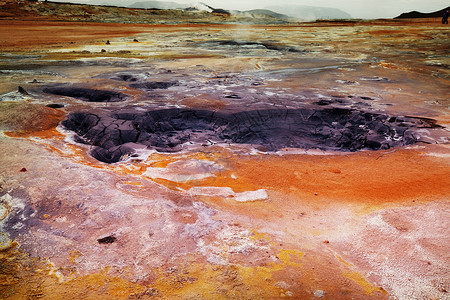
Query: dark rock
x: 126, y: 77
x: 221, y: 12
x: 218, y: 11
x: 107, y: 240
x: 233, y: 96
x: 22, y: 90
x: 55, y: 105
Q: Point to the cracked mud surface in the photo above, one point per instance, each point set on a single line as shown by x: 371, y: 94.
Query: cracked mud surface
x: 225, y: 162
x: 334, y: 129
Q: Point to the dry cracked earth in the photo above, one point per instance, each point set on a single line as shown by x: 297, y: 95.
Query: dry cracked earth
x: 224, y: 161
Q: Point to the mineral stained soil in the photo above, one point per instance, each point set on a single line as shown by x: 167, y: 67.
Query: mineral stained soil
x: 224, y: 161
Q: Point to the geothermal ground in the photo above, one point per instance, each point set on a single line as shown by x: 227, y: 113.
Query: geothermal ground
x: 224, y: 161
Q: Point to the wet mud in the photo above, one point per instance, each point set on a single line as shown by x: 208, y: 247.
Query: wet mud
x: 329, y: 129
x: 246, y: 45
x: 85, y: 94
x: 153, y: 85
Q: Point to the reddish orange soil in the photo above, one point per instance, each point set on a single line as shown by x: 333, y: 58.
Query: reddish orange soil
x: 27, y: 35
x: 40, y: 35
x: 16, y: 35
x: 369, y: 177
x: 27, y: 119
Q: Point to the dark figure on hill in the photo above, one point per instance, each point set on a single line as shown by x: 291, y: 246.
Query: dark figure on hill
x: 445, y: 17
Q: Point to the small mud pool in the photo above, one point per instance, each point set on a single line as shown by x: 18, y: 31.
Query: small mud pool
x: 115, y: 134
x: 153, y: 85
x: 238, y: 44
x: 85, y: 94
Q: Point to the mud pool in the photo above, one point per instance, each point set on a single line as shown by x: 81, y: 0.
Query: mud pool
x: 116, y: 134
x: 226, y: 162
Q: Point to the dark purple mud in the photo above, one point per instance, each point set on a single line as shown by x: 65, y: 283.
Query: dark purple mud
x: 85, y: 94
x: 115, y: 134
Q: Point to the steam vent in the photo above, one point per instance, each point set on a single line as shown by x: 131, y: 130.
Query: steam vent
x: 208, y: 153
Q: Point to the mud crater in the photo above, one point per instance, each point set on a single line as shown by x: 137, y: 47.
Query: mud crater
x: 153, y: 85
x: 117, y: 134
x: 85, y: 94
x: 250, y: 45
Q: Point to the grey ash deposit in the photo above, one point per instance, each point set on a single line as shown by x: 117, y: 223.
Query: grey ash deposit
x: 116, y: 134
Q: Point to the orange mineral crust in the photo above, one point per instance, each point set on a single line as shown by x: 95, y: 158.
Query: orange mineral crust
x: 373, y: 178
x: 27, y: 119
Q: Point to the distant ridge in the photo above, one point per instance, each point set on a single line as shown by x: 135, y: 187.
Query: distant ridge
x: 157, y: 5
x: 266, y: 12
x: 310, y: 13
x: 416, y: 14
x: 156, y: 13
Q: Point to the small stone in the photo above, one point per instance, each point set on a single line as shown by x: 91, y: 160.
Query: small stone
x: 108, y: 43
x: 233, y: 96
x: 326, y: 242
x: 22, y: 91
x: 23, y: 170
x: 136, y: 41
x: 107, y: 240
x: 103, y: 50
x: 55, y: 105
x: 319, y: 293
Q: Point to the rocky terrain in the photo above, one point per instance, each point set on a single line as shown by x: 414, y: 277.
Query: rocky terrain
x: 60, y: 11
x: 310, y: 13
x: 222, y: 161
x: 417, y: 14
